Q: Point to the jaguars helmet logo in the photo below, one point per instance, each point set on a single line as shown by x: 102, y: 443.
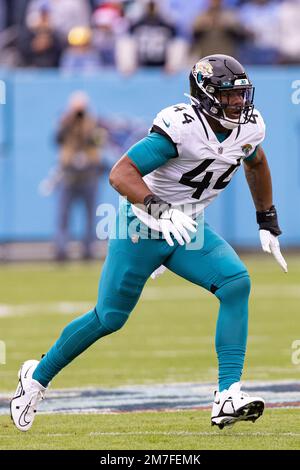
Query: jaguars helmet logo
x: 202, y: 69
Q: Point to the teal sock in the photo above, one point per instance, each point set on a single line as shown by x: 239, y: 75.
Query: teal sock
x: 231, y: 362
x: 232, y: 330
x: 74, y: 339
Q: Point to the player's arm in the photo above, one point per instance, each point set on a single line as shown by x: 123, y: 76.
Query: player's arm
x: 127, y: 178
x: 259, y: 180
x: 150, y: 153
x: 260, y: 183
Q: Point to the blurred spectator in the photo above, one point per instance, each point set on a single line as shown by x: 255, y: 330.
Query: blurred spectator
x: 81, y: 55
x: 108, y: 25
x: 260, y: 17
x: 161, y: 32
x: 10, y: 57
x: 152, y: 35
x: 2, y: 15
x: 183, y: 14
x: 152, y: 42
x: 217, y: 30
x: 14, y: 12
x: 65, y: 14
x: 289, y: 32
x: 80, y: 139
x: 9, y: 54
x: 39, y: 43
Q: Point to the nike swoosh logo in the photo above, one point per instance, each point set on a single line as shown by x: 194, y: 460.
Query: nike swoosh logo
x: 167, y: 124
x: 22, y: 419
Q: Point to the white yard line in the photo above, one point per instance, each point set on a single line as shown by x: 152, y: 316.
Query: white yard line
x: 65, y: 308
x: 187, y: 433
x: 178, y: 433
x: 150, y: 294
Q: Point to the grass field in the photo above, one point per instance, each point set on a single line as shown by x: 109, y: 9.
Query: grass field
x: 169, y: 338
x: 188, y: 430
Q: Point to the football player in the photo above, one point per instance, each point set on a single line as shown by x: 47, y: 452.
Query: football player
x: 169, y: 177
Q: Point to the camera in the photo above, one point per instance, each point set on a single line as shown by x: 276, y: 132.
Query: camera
x: 80, y: 114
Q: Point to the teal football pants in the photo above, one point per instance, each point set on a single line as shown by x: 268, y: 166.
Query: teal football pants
x: 129, y: 263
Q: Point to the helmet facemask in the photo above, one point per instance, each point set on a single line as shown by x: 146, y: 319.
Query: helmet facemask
x: 244, y: 110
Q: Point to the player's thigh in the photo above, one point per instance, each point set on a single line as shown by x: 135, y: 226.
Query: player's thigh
x: 212, y: 266
x: 128, y: 265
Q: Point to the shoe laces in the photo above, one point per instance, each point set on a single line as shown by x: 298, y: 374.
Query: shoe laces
x: 244, y: 395
x: 35, y: 397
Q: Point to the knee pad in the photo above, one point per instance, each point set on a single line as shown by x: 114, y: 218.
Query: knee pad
x: 113, y: 311
x: 112, y: 320
x: 118, y: 297
x: 236, y: 289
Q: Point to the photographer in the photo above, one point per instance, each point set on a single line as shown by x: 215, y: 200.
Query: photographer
x: 80, y: 139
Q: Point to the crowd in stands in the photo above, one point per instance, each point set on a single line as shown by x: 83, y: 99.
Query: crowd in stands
x: 90, y: 35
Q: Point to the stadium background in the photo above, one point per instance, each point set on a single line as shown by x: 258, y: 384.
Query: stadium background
x: 35, y: 101
x: 37, y: 299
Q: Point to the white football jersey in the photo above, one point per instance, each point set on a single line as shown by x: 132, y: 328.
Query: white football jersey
x: 204, y: 166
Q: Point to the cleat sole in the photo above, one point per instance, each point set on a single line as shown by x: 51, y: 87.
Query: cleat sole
x: 250, y: 412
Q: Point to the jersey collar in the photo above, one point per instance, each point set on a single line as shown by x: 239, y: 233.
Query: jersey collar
x: 211, y: 136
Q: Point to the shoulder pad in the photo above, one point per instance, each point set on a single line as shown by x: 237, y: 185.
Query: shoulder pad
x: 257, y: 127
x: 169, y: 120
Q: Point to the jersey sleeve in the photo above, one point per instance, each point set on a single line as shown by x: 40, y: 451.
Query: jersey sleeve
x: 152, y: 152
x: 260, y: 130
x: 252, y: 155
x: 256, y: 135
x: 168, y: 121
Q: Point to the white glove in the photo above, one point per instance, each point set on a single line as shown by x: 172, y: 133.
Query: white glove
x: 270, y: 244
x: 158, y: 272
x: 175, y: 222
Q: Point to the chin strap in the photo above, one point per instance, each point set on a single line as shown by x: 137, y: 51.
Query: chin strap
x: 229, y: 124
x: 193, y: 100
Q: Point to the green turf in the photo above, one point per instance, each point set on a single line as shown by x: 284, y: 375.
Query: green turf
x: 164, y: 340
x: 278, y: 429
x: 168, y: 338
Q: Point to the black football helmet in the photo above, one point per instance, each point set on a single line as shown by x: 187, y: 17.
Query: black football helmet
x: 215, y: 75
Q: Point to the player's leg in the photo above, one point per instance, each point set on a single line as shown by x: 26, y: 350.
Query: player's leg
x: 126, y: 269
x: 217, y: 268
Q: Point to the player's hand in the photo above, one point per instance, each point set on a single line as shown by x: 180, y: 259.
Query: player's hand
x: 175, y: 222
x: 270, y: 244
x: 171, y: 221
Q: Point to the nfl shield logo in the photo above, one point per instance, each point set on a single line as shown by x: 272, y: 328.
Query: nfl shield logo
x: 220, y: 150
